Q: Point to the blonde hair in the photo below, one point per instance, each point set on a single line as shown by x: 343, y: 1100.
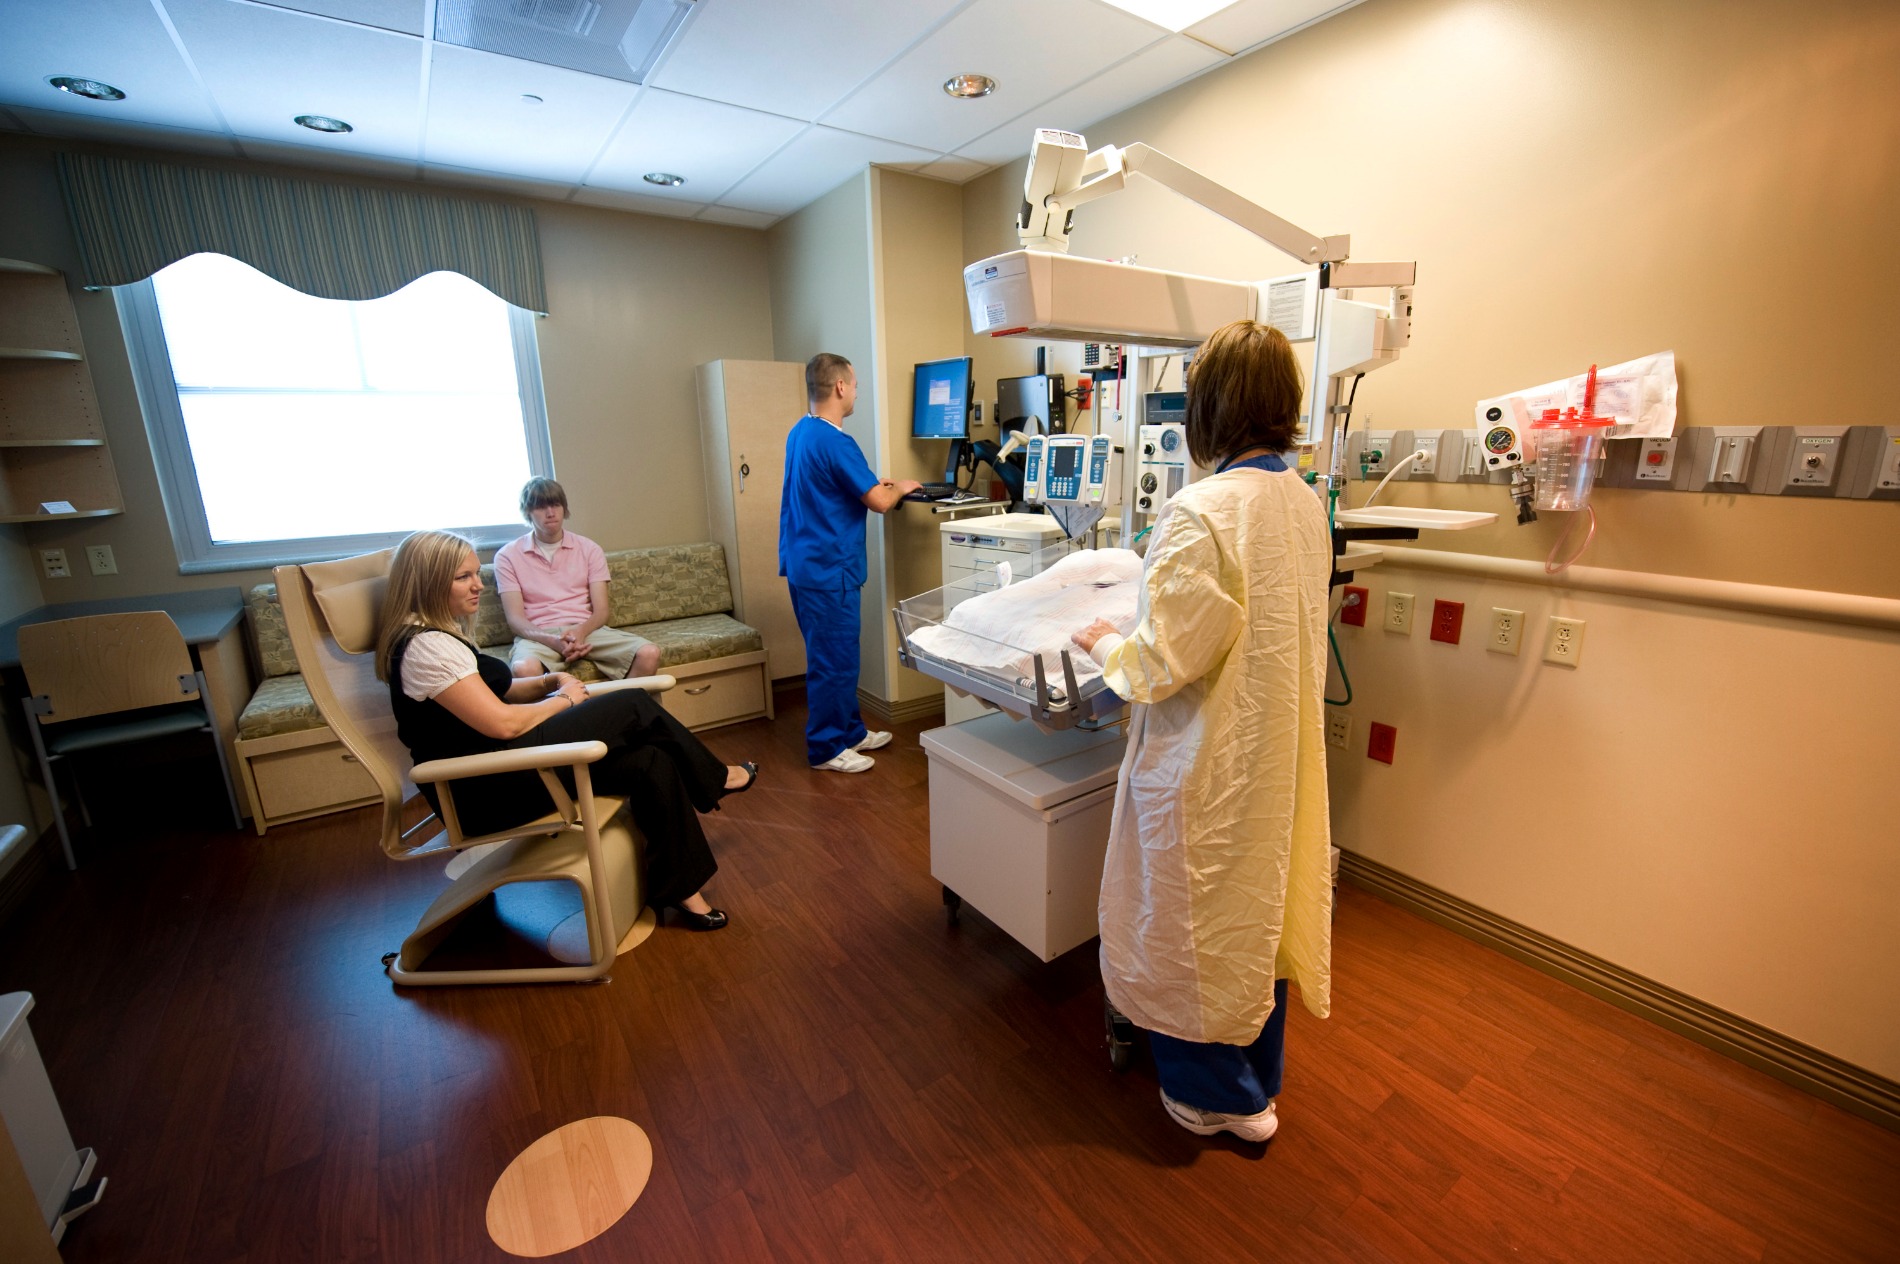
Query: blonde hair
x: 417, y: 597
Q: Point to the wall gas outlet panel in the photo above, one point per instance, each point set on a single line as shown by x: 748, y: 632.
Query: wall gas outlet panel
x: 1814, y: 459
x: 1886, y: 460
x: 1655, y: 461
x: 1372, y: 452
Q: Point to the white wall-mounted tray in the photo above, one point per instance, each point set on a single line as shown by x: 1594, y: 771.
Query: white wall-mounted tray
x: 1409, y: 516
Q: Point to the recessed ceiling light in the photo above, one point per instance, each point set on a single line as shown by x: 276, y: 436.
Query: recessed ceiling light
x: 966, y: 87
x: 321, y: 123
x: 1176, y: 15
x: 665, y: 178
x: 91, y: 89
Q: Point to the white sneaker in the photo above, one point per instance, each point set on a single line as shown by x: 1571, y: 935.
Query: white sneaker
x: 873, y: 740
x: 847, y: 760
x: 1206, y: 1123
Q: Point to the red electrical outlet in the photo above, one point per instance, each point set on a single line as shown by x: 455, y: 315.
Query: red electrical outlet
x: 1352, y: 609
x: 1448, y: 620
x: 1379, y: 745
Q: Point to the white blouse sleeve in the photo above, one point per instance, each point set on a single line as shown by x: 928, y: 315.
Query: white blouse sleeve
x: 433, y: 662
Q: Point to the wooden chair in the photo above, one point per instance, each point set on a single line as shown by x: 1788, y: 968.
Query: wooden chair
x: 330, y: 609
x: 105, y: 680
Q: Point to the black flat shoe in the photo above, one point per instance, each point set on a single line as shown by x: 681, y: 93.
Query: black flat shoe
x: 715, y: 920
x: 751, y: 775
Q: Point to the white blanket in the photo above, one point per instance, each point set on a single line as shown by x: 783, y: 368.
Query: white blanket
x: 1000, y: 633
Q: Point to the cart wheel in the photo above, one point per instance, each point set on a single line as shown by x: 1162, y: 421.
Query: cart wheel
x: 1121, y: 1037
x: 952, y: 904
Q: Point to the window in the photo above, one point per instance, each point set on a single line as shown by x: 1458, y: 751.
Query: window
x: 287, y: 427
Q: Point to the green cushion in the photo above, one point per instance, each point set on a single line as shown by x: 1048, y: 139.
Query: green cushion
x: 672, y: 581
x: 697, y: 639
x: 270, y: 639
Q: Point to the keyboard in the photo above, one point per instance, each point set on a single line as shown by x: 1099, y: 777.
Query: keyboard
x: 938, y: 491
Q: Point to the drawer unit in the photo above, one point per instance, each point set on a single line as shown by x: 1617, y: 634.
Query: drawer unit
x: 726, y: 691
x: 306, y: 780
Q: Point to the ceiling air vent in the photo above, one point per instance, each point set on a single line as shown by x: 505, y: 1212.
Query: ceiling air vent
x: 620, y: 39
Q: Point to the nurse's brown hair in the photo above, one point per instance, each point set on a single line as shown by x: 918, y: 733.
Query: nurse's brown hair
x: 1243, y: 391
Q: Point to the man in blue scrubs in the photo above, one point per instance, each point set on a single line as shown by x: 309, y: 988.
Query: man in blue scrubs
x: 821, y: 555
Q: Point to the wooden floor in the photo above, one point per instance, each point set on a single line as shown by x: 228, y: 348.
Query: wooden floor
x: 841, y: 1076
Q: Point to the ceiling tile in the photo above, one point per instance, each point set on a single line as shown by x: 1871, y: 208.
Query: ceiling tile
x: 491, y: 182
x: 817, y: 162
x: 620, y: 200
x: 391, y: 15
x: 711, y: 144
x: 118, y: 131
x: 742, y: 219
x: 293, y: 155
x: 477, y: 117
x: 787, y: 59
x: 266, y: 66
x: 956, y: 169
x: 1135, y: 80
x: 120, y: 42
x: 1033, y: 51
x: 1252, y: 22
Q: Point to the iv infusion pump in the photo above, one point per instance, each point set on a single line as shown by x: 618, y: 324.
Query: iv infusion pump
x: 1068, y: 470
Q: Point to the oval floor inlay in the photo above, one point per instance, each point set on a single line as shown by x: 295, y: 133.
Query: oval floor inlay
x: 570, y: 1186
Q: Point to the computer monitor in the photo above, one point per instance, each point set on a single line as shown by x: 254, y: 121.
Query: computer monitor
x: 1034, y: 404
x: 940, y: 400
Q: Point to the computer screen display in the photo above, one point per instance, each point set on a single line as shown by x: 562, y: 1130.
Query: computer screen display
x: 940, y: 404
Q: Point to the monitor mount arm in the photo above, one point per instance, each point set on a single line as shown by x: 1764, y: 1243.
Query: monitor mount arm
x: 1063, y: 176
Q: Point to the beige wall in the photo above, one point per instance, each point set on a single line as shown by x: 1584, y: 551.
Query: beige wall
x: 1705, y: 800
x: 822, y: 300
x: 920, y: 316
x: 636, y: 302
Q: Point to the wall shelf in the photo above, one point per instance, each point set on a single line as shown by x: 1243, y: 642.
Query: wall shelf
x: 46, y: 517
x: 36, y: 353
x: 52, y: 437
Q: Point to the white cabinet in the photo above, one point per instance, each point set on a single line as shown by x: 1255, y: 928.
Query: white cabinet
x: 746, y: 408
x: 972, y: 548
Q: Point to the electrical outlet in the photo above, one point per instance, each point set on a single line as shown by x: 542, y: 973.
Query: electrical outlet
x: 99, y: 558
x: 1564, y: 641
x: 53, y: 563
x: 1382, y: 739
x: 1507, y: 630
x: 1398, y: 612
x: 1352, y: 607
x: 1448, y: 621
x: 1338, y: 728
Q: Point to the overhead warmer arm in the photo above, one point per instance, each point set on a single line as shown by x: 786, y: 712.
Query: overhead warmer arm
x: 1062, y: 177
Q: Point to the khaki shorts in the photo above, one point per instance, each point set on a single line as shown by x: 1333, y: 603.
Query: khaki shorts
x: 612, y: 653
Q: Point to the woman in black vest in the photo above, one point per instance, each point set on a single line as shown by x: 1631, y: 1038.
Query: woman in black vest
x: 451, y: 700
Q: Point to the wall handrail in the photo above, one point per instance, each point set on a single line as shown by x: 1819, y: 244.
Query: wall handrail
x: 1797, y: 603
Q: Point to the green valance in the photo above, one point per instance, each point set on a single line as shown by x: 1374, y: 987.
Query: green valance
x: 331, y: 240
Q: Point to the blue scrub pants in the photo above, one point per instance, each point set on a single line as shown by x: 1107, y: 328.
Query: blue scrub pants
x: 1232, y: 1079
x: 828, y: 618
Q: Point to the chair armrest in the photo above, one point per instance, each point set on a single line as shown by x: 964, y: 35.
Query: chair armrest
x: 527, y: 759
x: 652, y: 684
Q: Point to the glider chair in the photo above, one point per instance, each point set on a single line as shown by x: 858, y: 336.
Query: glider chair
x: 105, y: 680
x: 330, y: 609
